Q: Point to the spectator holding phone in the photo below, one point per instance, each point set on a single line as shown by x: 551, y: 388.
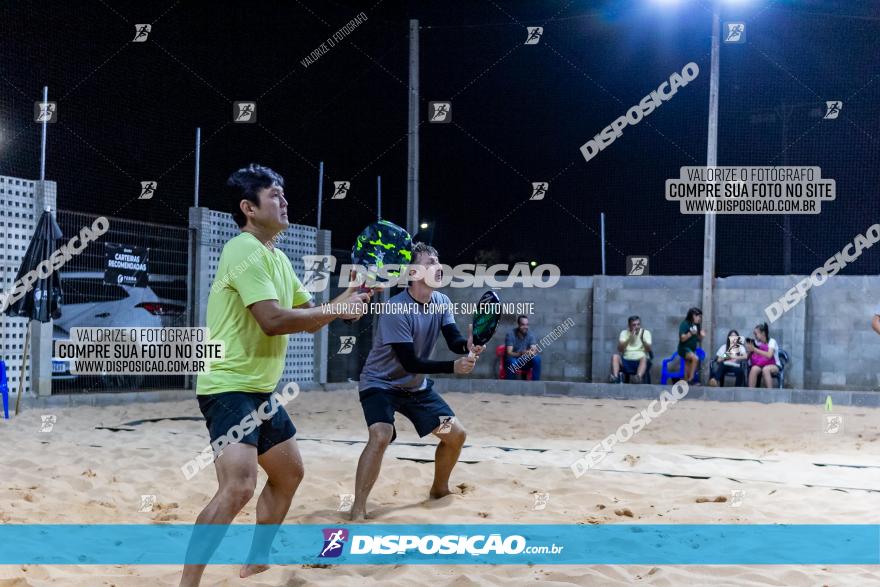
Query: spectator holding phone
x: 763, y: 356
x: 730, y: 358
x: 689, y: 337
x: 635, y: 344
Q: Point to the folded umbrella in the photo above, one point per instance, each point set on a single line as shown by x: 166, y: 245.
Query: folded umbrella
x: 41, y: 300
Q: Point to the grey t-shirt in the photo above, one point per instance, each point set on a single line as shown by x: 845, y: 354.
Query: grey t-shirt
x: 404, y: 320
x: 519, y: 343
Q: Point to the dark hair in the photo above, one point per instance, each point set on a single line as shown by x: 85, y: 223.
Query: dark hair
x: 632, y: 319
x: 729, y: 334
x: 520, y: 317
x: 693, y: 312
x: 420, y: 247
x: 765, y: 330
x: 245, y: 184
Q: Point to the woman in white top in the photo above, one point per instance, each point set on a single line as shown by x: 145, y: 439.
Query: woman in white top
x: 763, y: 356
x: 730, y: 358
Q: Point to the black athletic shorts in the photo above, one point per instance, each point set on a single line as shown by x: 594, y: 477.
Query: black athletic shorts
x: 424, y: 408
x: 229, y: 409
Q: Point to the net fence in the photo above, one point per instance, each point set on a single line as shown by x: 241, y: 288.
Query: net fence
x: 510, y: 92
x: 91, y: 300
x: 526, y: 84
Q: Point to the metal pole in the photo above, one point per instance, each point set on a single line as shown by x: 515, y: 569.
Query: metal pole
x: 21, y: 374
x: 191, y: 234
x: 711, y: 161
x: 320, y: 191
x: 786, y: 220
x: 43, y: 139
x: 602, y: 236
x: 412, y: 172
x: 379, y: 197
x: 198, y: 166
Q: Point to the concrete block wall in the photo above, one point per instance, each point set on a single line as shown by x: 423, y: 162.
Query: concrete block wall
x: 660, y: 302
x: 828, y: 334
x: 566, y: 359
x: 841, y: 349
x: 740, y: 302
x: 22, y: 201
x: 321, y: 338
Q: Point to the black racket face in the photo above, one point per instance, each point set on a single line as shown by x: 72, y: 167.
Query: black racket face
x: 486, y: 317
x: 382, y: 243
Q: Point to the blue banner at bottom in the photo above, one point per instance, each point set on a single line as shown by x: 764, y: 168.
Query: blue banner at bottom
x: 660, y: 544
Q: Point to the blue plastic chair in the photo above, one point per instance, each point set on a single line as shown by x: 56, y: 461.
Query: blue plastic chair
x: 785, y: 359
x: 666, y: 374
x: 4, y: 389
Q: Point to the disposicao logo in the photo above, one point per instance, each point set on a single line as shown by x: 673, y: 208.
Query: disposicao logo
x: 334, y: 540
x: 443, y: 545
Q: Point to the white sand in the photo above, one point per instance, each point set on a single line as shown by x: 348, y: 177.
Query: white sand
x: 77, y: 474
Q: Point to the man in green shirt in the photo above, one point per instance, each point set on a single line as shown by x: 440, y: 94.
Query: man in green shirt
x: 255, y: 302
x: 689, y: 337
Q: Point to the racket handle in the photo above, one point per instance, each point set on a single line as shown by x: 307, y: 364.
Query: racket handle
x: 361, y: 289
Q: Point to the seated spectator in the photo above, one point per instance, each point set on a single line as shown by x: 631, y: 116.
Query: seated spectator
x: 635, y: 344
x: 730, y: 358
x: 520, y: 343
x: 689, y: 337
x: 763, y: 356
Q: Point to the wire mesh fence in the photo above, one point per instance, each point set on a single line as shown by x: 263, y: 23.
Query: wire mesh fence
x: 802, y: 91
x: 94, y: 298
x: 524, y: 102
x: 527, y: 85
x: 524, y: 84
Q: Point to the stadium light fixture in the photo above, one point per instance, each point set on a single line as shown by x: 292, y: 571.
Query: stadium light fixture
x: 678, y: 2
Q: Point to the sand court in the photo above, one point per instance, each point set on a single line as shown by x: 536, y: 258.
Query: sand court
x: 699, y: 463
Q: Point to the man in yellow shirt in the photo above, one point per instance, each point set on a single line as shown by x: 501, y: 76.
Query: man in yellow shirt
x: 255, y: 302
x: 635, y: 345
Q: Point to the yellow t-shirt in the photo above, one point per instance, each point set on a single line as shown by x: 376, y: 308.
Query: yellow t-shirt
x: 635, y: 350
x: 248, y: 272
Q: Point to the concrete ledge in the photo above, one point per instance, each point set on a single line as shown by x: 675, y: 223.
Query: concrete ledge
x: 535, y: 388
x: 624, y: 392
x: 103, y: 399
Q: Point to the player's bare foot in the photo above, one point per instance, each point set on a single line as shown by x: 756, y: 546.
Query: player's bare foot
x: 438, y: 492
x: 358, y: 514
x: 248, y: 570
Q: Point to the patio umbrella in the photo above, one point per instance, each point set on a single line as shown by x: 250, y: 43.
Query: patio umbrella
x: 42, y: 301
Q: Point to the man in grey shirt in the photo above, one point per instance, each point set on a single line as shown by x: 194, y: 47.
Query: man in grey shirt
x: 521, y: 352
x: 393, y: 378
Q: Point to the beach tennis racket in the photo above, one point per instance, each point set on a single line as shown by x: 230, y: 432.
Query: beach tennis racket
x: 379, y: 245
x: 485, y: 319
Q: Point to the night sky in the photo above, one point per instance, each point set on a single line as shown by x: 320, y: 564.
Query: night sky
x: 128, y: 113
